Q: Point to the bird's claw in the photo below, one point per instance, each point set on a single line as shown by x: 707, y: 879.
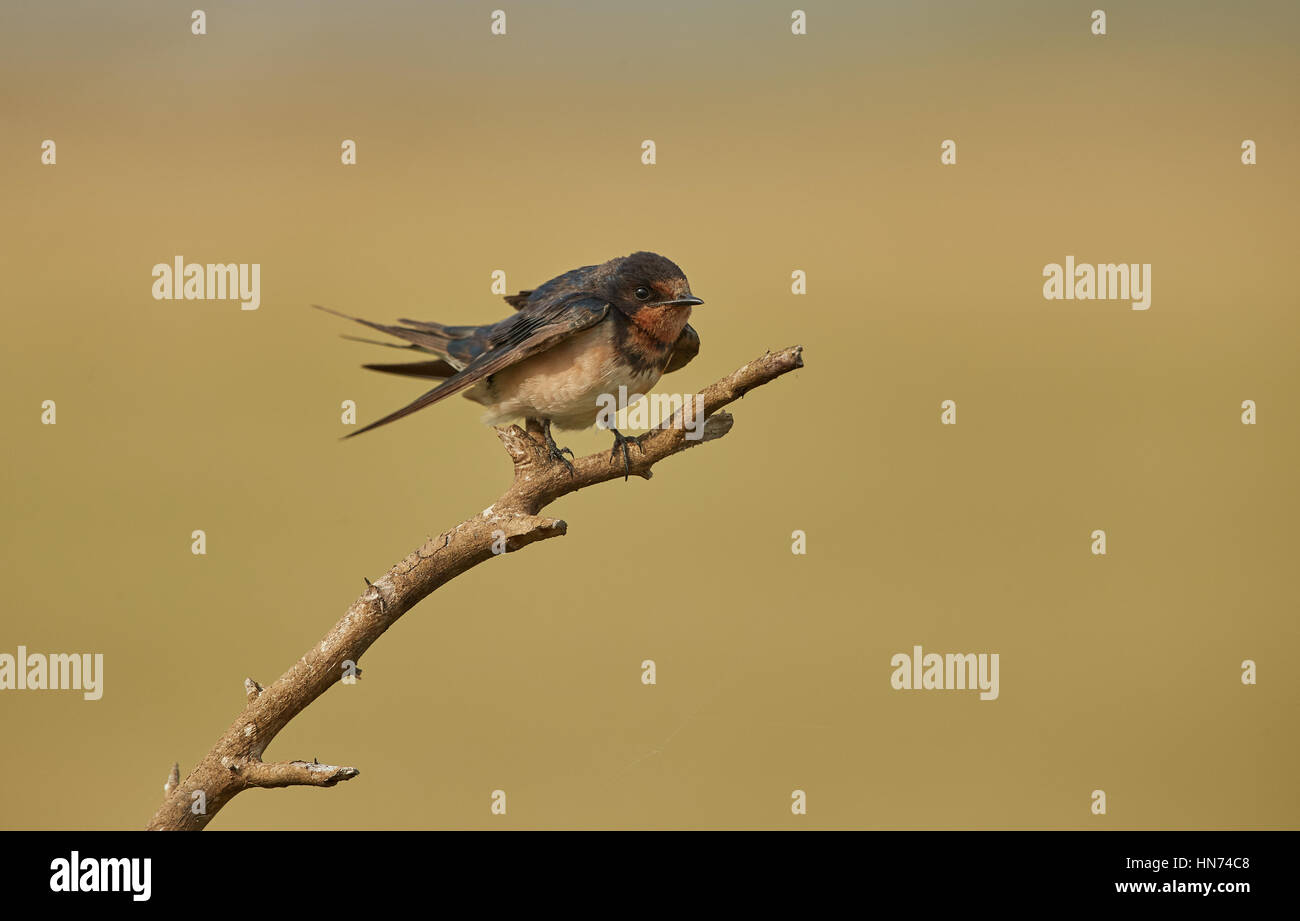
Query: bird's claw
x: 622, y: 441
x: 555, y: 452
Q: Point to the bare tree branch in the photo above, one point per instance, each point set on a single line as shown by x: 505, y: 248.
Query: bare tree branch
x: 294, y: 774
x: 235, y: 763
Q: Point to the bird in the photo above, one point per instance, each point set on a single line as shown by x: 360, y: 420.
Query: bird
x: 580, y: 335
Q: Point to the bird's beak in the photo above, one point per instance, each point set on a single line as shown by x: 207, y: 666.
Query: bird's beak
x: 689, y: 301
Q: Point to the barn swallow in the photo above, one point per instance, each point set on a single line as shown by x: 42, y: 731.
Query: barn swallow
x: 582, y: 334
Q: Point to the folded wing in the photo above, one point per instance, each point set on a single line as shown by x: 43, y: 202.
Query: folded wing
x: 535, y: 328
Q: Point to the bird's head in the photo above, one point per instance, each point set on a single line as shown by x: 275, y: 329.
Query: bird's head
x: 647, y: 288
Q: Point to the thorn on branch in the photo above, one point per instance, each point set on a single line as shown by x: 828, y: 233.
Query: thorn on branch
x: 173, y: 778
x: 252, y: 689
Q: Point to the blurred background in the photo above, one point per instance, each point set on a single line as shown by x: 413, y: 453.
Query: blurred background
x: 774, y: 153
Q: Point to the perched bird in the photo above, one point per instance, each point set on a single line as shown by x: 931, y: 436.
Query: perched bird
x: 582, y: 334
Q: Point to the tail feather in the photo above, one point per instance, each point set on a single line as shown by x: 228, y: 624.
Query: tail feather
x: 455, y: 348
x: 438, y: 329
x: 429, y: 341
x: 388, y: 345
x: 436, y: 370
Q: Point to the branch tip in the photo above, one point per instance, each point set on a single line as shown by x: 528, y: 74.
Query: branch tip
x: 295, y: 774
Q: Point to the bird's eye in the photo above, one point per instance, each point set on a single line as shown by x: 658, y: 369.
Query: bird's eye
x: 642, y: 293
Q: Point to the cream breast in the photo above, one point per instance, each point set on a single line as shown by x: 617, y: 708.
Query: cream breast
x: 563, y: 383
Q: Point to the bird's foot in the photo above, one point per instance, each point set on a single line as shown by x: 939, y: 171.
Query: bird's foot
x: 621, y: 441
x: 554, y: 451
